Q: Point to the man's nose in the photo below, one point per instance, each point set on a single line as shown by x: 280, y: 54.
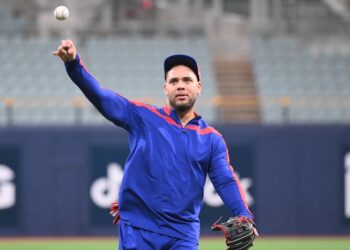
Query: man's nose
x: 181, y: 85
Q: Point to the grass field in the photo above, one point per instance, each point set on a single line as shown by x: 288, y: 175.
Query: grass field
x: 267, y: 243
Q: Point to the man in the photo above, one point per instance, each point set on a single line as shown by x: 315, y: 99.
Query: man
x: 172, y: 150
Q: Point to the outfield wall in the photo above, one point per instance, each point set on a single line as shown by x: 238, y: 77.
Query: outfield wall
x: 60, y: 180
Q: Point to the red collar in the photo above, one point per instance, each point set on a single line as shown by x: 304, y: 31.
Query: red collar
x: 167, y: 110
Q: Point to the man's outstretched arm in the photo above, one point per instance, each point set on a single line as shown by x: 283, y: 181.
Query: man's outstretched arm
x: 111, y: 105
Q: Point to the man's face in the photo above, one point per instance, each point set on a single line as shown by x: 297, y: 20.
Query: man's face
x: 182, y: 88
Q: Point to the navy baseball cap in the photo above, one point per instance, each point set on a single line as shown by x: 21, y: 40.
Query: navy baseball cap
x: 180, y: 59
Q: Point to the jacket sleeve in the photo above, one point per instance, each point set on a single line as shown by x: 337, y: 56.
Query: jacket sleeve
x: 111, y: 105
x: 224, y: 180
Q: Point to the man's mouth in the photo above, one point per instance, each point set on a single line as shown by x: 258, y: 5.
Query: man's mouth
x: 181, y: 97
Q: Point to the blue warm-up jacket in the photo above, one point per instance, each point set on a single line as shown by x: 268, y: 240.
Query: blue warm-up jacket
x: 165, y: 173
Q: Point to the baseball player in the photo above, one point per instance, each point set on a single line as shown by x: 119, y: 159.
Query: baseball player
x: 172, y: 149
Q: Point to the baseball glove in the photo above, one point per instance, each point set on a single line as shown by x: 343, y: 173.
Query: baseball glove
x: 114, y: 211
x: 239, y: 232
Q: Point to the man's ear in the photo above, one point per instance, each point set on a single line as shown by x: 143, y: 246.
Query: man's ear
x: 199, y: 88
x: 165, y: 89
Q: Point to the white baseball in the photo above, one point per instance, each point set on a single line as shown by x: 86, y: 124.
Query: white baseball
x: 61, y: 13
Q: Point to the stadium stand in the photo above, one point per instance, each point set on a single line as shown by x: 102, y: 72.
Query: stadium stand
x: 295, y: 70
x: 315, y: 80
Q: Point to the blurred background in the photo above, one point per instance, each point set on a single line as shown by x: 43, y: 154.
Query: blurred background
x: 276, y: 81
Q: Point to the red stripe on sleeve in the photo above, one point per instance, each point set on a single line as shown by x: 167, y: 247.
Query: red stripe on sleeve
x: 235, y: 177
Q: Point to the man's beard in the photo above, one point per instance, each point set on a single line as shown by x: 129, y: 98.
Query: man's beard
x: 182, y: 107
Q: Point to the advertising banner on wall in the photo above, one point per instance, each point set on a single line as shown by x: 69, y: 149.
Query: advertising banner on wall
x: 8, y: 187
x: 293, y: 174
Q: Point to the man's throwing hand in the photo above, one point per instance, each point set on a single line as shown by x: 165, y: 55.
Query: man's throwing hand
x: 66, y: 51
